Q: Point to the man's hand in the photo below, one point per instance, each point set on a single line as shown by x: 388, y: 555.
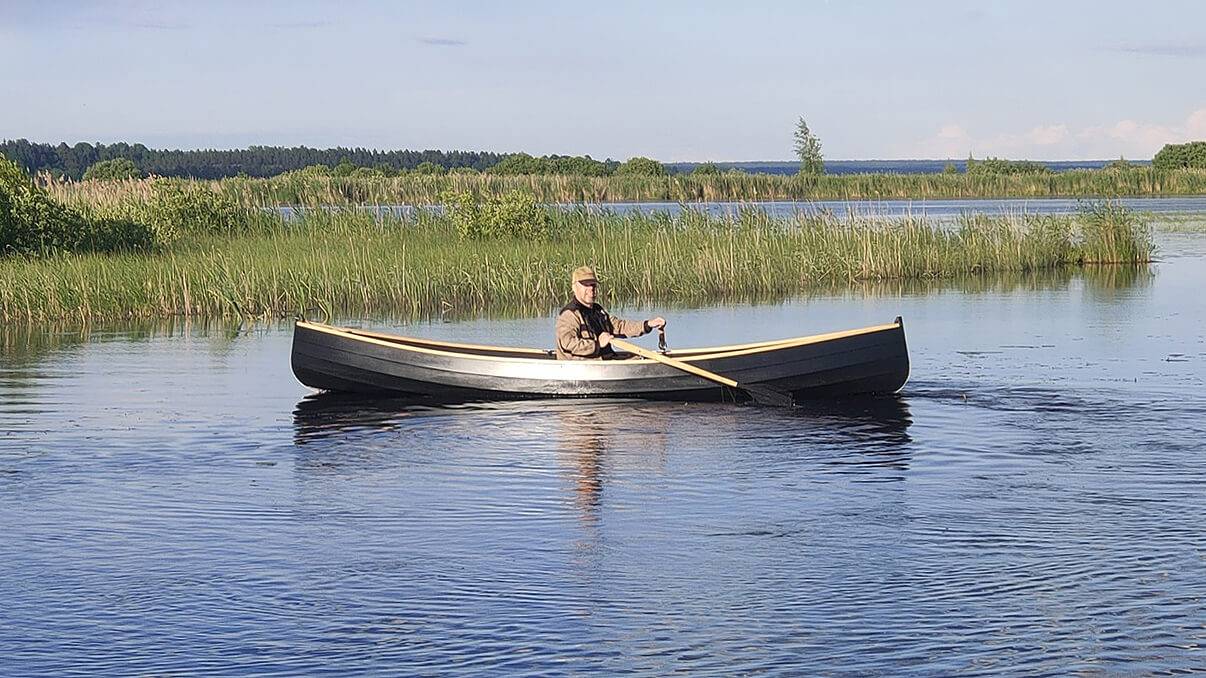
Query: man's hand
x: 604, y: 339
x: 656, y: 323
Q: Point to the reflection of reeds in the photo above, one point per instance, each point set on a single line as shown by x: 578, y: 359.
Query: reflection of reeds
x: 296, y: 189
x: 416, y: 265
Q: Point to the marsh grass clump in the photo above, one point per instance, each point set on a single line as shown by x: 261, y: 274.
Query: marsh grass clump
x: 419, y: 264
x: 313, y: 190
x: 1111, y: 234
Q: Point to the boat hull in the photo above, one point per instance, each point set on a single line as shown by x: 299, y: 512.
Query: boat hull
x: 867, y: 361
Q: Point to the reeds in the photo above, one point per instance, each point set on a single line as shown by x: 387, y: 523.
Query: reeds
x: 313, y: 191
x: 418, y: 266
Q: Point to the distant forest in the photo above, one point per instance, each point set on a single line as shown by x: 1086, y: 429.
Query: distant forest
x: 256, y: 161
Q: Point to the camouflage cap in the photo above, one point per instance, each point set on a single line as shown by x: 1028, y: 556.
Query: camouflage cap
x: 584, y: 274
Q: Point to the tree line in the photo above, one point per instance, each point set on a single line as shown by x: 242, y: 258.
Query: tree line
x: 257, y: 161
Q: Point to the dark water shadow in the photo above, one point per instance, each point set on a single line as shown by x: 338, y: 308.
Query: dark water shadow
x: 855, y: 421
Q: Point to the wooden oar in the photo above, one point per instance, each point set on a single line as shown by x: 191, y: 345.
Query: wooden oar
x: 761, y: 394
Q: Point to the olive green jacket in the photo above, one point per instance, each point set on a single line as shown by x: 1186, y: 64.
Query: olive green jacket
x: 579, y: 327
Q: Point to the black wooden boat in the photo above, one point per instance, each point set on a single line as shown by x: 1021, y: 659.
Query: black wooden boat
x: 870, y: 360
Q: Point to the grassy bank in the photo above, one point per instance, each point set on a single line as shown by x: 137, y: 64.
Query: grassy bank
x: 425, y: 190
x: 423, y: 266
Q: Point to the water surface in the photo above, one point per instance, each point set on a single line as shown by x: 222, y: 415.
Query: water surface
x: 1032, y: 503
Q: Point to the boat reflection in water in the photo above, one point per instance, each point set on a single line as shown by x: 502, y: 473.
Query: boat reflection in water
x: 848, y: 436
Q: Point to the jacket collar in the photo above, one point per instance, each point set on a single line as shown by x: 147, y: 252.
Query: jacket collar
x: 575, y: 305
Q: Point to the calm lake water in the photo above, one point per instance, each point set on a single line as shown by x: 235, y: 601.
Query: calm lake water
x: 1033, y: 503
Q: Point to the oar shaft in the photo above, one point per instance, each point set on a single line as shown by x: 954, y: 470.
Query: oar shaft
x: 685, y: 367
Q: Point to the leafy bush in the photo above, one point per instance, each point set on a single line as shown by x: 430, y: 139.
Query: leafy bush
x: 173, y: 208
x: 706, y: 169
x: 112, y: 170
x: 641, y: 167
x: 367, y: 172
x: 1180, y: 156
x: 31, y: 222
x: 522, y: 163
x: 177, y: 206
x: 1003, y: 166
x: 511, y: 215
x: 430, y: 168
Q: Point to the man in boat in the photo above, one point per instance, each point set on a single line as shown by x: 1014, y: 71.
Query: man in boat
x: 585, y: 330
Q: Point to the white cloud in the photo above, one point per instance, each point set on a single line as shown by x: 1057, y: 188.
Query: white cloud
x: 1129, y: 138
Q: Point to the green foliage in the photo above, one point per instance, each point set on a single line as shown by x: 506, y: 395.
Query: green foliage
x: 343, y: 169
x: 112, y: 170
x: 706, y: 169
x: 1119, y: 165
x: 511, y: 215
x: 950, y: 168
x: 1002, y: 166
x: 313, y: 171
x: 190, y: 207
x: 367, y: 172
x: 808, y: 150
x: 522, y: 163
x: 430, y: 168
x: 30, y: 220
x: 170, y: 209
x: 1181, y: 156
x: 256, y: 161
x: 33, y: 223
x: 641, y: 167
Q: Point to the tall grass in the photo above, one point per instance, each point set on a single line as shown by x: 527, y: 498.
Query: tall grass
x: 346, y: 260
x: 428, y: 189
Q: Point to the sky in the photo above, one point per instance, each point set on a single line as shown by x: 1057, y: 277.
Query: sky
x: 676, y: 81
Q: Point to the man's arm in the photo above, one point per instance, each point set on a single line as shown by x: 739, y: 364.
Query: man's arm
x: 633, y: 328
x: 568, y: 341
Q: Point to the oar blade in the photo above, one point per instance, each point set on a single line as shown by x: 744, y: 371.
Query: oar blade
x: 769, y: 396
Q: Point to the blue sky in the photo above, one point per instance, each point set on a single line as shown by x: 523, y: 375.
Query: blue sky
x: 670, y: 80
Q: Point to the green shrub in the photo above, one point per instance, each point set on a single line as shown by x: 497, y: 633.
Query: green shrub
x: 511, y: 215
x: 367, y: 172
x: 641, y: 167
x: 706, y: 169
x: 426, y: 167
x: 174, y: 208
x: 1003, y: 166
x: 112, y: 170
x: 31, y: 222
x: 569, y: 165
x: 1181, y: 156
